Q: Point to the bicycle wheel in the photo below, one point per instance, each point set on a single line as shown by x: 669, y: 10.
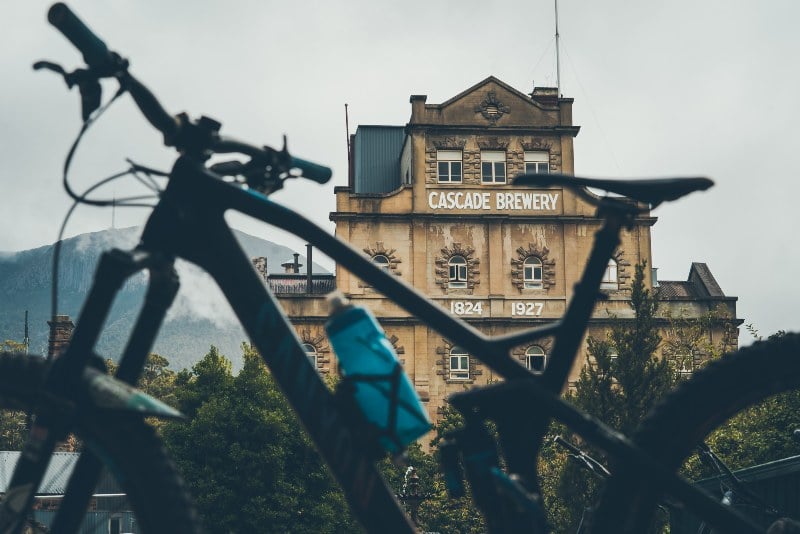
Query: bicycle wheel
x: 127, y: 446
x: 691, y: 412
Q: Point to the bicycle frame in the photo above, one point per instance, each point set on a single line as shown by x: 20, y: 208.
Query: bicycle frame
x: 189, y: 223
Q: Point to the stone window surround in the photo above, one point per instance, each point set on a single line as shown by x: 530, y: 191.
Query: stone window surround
x: 442, y: 268
x: 471, y: 158
x: 319, y: 342
x: 521, y: 352
x: 443, y: 364
x: 378, y: 249
x: 518, y: 270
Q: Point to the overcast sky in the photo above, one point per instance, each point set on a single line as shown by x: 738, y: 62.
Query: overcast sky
x: 661, y: 88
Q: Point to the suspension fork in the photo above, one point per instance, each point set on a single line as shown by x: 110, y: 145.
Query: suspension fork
x: 61, y: 386
x: 161, y: 291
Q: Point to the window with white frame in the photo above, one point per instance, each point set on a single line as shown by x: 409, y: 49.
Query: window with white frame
x: 448, y: 166
x: 459, y: 364
x: 493, y: 167
x: 457, y: 272
x: 311, y: 352
x: 381, y: 261
x: 610, y: 276
x: 535, y: 358
x: 532, y: 272
x: 537, y: 163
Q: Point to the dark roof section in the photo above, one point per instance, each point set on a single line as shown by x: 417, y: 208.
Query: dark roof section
x: 701, y: 284
x: 377, y: 158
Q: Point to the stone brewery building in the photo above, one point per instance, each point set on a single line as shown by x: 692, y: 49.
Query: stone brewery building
x: 432, y: 202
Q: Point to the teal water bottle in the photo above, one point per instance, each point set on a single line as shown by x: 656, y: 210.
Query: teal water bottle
x: 381, y: 388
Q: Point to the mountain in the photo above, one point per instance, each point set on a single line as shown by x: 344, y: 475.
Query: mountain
x: 199, y: 317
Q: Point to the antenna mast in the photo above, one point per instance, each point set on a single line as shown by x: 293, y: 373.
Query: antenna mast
x: 350, y: 170
x: 558, y: 58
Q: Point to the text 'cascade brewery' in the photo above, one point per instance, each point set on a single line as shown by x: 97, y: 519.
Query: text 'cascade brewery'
x: 518, y: 201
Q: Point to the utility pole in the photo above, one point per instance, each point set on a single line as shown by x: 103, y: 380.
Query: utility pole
x: 26, y: 341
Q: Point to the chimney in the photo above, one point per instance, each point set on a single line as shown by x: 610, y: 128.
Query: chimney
x: 292, y: 266
x: 261, y: 267
x: 61, y: 328
x: 309, y: 275
x: 418, y: 108
x: 547, y: 96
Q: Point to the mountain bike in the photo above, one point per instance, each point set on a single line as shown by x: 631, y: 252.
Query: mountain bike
x: 188, y: 222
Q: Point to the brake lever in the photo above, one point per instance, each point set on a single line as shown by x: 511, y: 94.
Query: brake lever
x: 88, y: 83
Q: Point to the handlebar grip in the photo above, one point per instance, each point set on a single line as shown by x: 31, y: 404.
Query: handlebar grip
x: 94, y: 50
x: 313, y: 171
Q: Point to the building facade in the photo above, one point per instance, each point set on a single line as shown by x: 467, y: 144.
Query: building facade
x: 433, y: 203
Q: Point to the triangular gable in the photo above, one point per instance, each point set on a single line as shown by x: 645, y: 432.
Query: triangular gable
x: 492, y: 102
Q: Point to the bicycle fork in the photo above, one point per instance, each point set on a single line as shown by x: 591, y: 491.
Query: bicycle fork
x: 63, y: 390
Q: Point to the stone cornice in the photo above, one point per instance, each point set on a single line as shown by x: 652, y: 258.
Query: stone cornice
x: 493, y: 218
x: 439, y: 129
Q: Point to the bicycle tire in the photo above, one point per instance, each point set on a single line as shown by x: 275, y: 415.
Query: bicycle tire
x: 688, y: 414
x: 127, y: 446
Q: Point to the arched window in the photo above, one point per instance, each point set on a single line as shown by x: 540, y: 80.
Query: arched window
x: 457, y: 272
x: 535, y: 358
x: 381, y: 261
x: 311, y: 352
x: 610, y: 276
x: 532, y: 272
x: 459, y: 364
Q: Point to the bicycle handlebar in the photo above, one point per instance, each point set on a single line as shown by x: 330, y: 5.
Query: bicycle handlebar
x: 104, y: 62
x: 94, y: 50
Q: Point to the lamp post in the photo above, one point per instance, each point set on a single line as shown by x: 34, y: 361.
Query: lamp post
x: 412, y: 496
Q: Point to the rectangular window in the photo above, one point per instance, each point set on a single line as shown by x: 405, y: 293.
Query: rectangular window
x: 459, y: 367
x: 448, y: 165
x: 537, y: 163
x: 493, y: 167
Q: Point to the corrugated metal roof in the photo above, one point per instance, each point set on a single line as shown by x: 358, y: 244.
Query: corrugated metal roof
x: 377, y: 158
x: 57, y: 475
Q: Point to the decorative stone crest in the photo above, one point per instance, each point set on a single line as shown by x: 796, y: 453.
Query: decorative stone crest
x: 548, y: 266
x: 491, y: 108
x: 442, y: 269
x: 449, y: 143
x: 536, y: 143
x: 492, y: 143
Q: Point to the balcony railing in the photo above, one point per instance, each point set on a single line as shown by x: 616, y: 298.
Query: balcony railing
x: 297, y: 284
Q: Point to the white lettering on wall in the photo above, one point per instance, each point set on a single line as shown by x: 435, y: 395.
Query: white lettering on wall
x: 462, y: 200
x: 503, y: 201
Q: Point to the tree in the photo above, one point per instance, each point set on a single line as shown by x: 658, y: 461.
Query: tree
x: 244, y: 455
x: 13, y: 346
x: 13, y: 425
x: 622, y: 379
x: 760, y: 434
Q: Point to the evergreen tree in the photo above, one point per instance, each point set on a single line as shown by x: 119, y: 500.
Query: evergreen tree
x: 622, y: 379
